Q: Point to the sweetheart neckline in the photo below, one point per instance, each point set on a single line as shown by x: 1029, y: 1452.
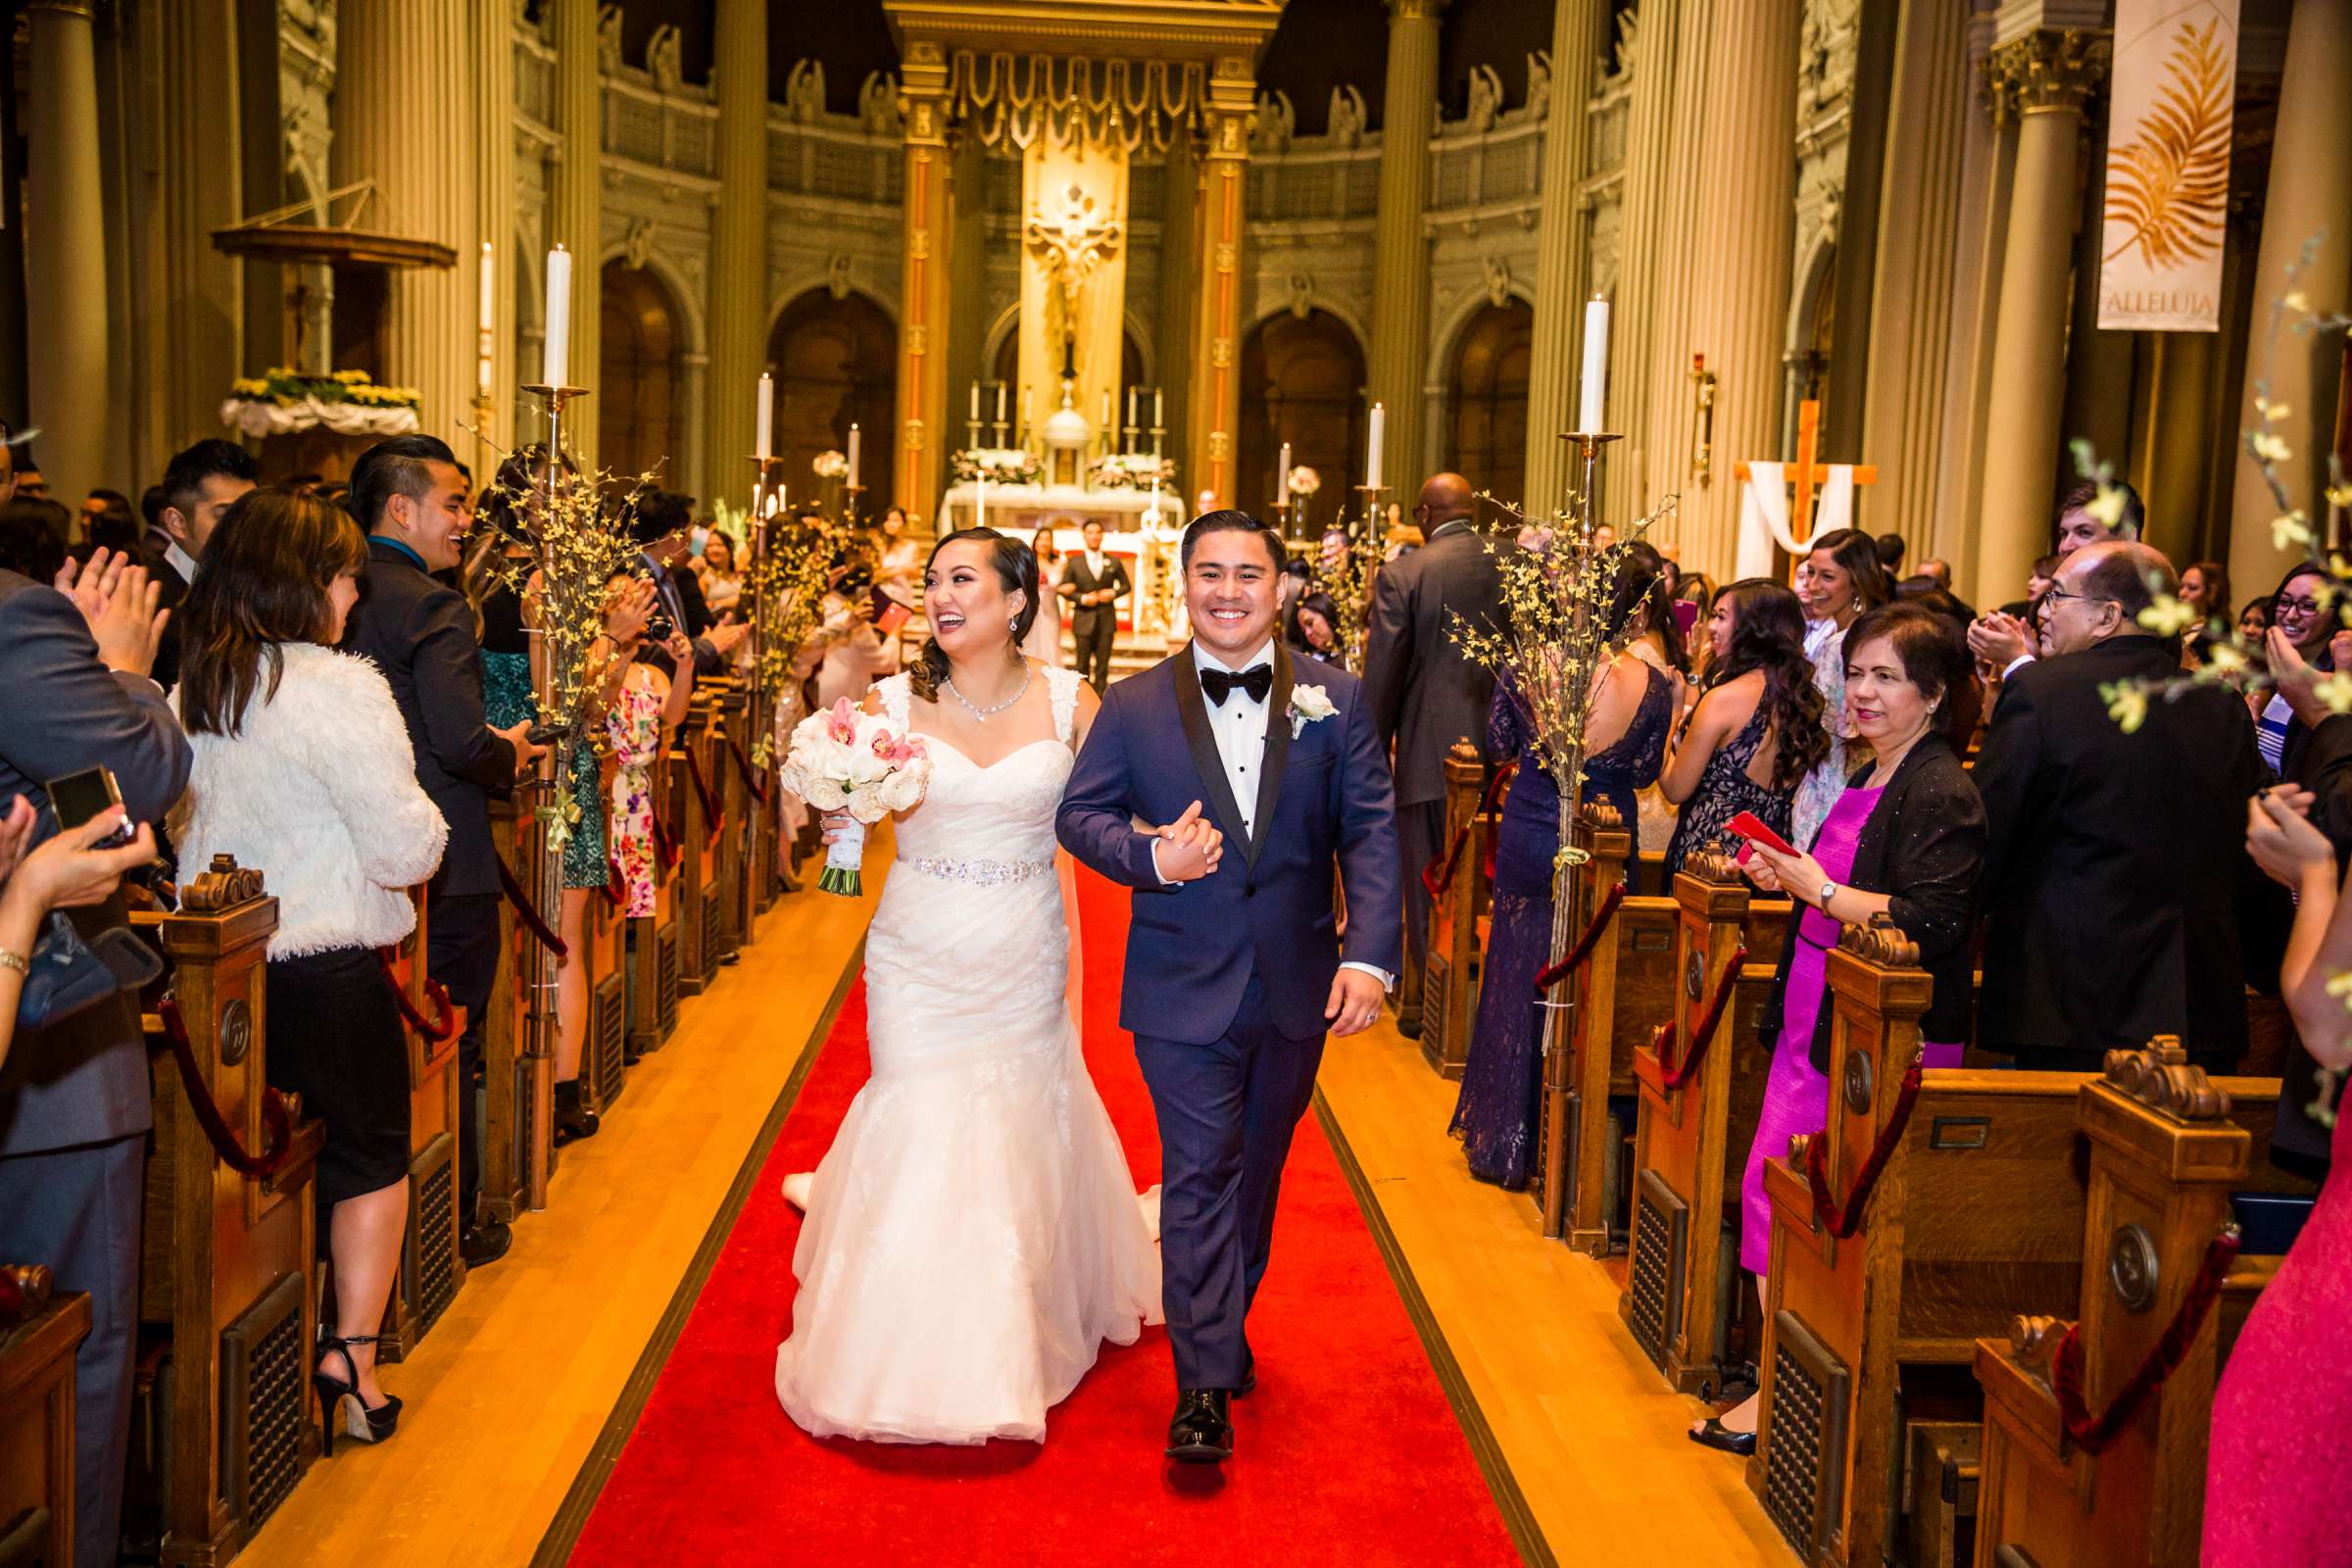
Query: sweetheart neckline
x: 985, y: 768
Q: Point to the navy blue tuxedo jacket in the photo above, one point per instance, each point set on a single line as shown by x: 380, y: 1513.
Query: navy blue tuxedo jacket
x: 1325, y: 802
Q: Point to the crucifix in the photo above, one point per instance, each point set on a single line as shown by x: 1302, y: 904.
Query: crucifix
x: 1766, y: 511
x: 1071, y: 243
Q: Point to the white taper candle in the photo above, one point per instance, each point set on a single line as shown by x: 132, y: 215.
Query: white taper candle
x: 1380, y: 425
x: 556, y: 364
x: 1596, y: 364
x: 766, y: 445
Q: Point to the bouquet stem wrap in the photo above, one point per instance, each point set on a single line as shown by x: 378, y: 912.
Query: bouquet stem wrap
x: 845, y: 861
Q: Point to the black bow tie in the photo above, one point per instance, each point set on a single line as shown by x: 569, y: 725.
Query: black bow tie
x: 1258, y: 680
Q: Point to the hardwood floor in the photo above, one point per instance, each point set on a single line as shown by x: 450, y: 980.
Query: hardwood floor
x: 1593, y: 1437
x: 505, y: 1397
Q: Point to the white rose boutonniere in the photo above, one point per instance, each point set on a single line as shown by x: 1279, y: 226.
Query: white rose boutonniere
x: 1309, y: 704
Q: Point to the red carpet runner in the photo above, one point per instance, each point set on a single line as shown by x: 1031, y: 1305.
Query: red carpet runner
x: 1348, y: 1453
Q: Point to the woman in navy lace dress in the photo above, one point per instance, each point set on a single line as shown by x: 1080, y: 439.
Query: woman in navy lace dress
x: 1757, y: 728
x: 1638, y: 693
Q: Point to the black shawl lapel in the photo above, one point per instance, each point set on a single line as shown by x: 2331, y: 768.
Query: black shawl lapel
x: 1193, y: 707
x: 1278, y: 750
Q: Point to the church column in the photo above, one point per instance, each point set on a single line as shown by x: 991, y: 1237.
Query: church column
x: 493, y: 47
x: 1918, y: 240
x: 66, y: 325
x: 575, y: 213
x: 1216, y: 372
x: 2309, y: 189
x: 1559, y: 275
x: 737, y: 330
x: 1747, y: 213
x: 201, y: 189
x: 1400, y: 252
x: 1668, y: 432
x: 1649, y: 168
x: 2047, y: 76
x: 408, y: 58
x: 915, y: 478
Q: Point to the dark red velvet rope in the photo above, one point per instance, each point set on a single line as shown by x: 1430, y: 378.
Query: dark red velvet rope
x: 216, y: 1132
x: 2092, y: 1434
x: 528, y: 913
x: 664, y: 846
x: 751, y: 778
x: 434, y: 991
x: 1705, y: 1035
x: 1583, y: 944
x: 1842, y: 1219
x: 702, y: 793
x: 1438, y: 875
x: 616, y: 889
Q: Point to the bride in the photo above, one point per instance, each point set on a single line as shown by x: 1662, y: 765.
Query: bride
x: 974, y: 1233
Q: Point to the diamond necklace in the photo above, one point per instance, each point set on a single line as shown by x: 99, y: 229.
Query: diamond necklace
x: 1028, y: 672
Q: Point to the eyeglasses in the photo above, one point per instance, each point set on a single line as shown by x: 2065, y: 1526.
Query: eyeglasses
x: 2055, y: 593
x: 2295, y: 606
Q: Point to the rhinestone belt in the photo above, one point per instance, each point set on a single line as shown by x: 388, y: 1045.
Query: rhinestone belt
x: 982, y: 873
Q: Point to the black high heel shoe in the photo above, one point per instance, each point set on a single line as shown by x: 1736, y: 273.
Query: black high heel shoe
x: 1713, y: 1434
x: 339, y: 1401
x: 573, y: 1121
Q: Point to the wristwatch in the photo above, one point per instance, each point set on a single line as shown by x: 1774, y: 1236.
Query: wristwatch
x: 1829, y: 891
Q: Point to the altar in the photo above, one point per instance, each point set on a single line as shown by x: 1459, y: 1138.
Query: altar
x: 1143, y: 537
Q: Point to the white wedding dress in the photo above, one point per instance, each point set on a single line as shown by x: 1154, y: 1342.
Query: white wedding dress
x: 973, y: 1235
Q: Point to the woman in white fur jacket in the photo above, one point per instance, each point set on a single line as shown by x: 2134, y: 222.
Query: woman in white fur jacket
x: 303, y: 769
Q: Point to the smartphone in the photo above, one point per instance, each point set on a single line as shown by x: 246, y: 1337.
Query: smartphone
x: 1685, y: 614
x: 78, y: 797
x: 888, y: 613
x: 1749, y: 825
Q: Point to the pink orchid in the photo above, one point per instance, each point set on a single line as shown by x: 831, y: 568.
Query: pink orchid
x: 842, y: 724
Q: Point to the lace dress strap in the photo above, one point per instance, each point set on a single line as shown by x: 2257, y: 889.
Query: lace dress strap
x: 1061, y: 690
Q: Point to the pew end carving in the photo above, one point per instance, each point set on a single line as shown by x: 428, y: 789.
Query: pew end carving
x: 39, y: 1332
x: 1458, y: 897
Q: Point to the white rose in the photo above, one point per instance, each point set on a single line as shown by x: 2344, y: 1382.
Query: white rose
x: 904, y: 788
x: 1312, y: 702
x: 867, y: 804
x: 824, y: 794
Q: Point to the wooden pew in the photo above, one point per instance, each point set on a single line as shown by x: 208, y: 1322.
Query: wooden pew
x: 1449, y: 975
x: 38, y: 1333
x: 430, y: 1269
x: 765, y: 854
x: 1625, y: 990
x: 228, y: 1260
x: 697, y: 892
x: 1701, y: 1091
x: 729, y: 918
x: 654, y: 982
x: 604, y: 1054
x: 517, y: 1082
x: 2168, y: 1149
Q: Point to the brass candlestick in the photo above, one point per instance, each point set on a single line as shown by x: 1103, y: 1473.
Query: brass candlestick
x: 554, y: 775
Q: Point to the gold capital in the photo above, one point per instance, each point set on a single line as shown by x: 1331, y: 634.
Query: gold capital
x: 2046, y: 71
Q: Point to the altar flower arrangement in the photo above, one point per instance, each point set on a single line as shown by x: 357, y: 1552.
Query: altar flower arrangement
x: 996, y: 465
x: 1131, y: 470
x: 846, y: 757
x: 831, y: 464
x: 284, y: 401
x: 1305, y: 481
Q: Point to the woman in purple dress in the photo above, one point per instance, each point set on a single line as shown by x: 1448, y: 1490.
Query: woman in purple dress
x: 1906, y: 840
x: 2285, y: 1400
x: 1637, y: 696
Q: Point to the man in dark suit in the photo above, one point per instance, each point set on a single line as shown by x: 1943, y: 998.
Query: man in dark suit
x: 199, y: 485
x: 410, y: 496
x: 2116, y: 878
x: 74, y: 694
x: 661, y: 523
x: 1098, y: 581
x: 1425, y: 694
x: 1235, y: 972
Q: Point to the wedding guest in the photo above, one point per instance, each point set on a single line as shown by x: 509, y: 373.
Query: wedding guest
x: 2000, y: 639
x: 1312, y: 628
x: 1097, y: 581
x: 1044, y: 642
x: 1845, y: 575
x: 74, y: 1097
x: 29, y: 542
x: 646, y: 707
x: 2115, y: 883
x: 1757, y: 727
x: 200, y: 484
x: 2303, y: 620
x: 721, y: 582
x: 899, y: 565
x: 303, y: 766
x: 410, y: 495
x: 1905, y: 839
x: 1425, y: 693
x: 659, y: 522
x: 108, y: 523
x: 2205, y: 589
x: 1633, y: 703
x: 1940, y: 570
x: 32, y: 483
x: 1889, y: 548
x: 68, y: 871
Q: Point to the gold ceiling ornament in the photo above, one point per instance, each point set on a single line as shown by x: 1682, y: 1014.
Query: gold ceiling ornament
x: 1002, y: 97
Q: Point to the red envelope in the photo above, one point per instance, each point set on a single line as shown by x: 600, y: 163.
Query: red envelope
x: 1749, y: 825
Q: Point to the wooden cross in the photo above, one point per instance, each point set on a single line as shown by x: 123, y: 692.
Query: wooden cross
x: 1806, y: 472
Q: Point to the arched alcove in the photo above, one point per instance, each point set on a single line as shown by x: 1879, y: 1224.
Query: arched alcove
x: 1487, y: 392
x: 836, y: 363
x: 1302, y: 382
x: 641, y: 407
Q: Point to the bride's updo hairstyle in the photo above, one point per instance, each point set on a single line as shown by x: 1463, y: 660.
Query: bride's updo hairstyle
x: 1016, y: 571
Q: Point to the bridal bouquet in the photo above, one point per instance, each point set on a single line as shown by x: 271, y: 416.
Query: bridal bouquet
x: 847, y: 758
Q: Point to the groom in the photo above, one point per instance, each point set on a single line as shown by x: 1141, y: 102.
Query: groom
x: 1234, y: 971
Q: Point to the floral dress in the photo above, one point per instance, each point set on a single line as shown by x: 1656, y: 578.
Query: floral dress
x: 635, y: 728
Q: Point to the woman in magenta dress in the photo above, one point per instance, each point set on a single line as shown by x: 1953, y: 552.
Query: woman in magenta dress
x: 1905, y: 840
x: 2285, y: 1400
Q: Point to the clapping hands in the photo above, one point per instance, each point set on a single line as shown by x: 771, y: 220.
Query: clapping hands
x: 2281, y: 837
x: 1189, y: 847
x: 118, y: 602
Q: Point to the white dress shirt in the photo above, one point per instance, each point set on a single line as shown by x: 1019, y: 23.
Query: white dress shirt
x: 1239, y: 725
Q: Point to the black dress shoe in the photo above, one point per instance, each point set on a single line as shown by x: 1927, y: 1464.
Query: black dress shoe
x: 486, y: 1242
x: 1713, y: 1434
x: 1201, y: 1432
x: 573, y: 1121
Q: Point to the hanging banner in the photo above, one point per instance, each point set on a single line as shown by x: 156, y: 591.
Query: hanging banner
x: 2173, y: 89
